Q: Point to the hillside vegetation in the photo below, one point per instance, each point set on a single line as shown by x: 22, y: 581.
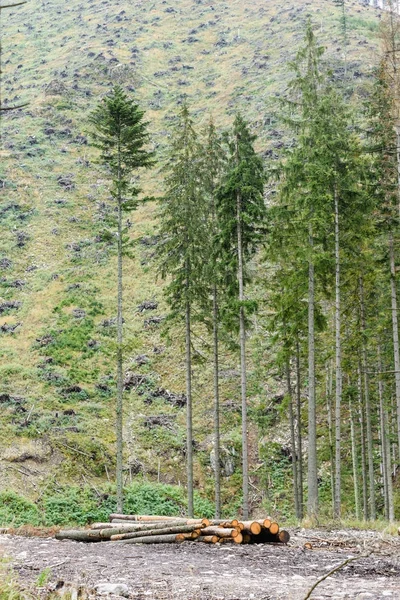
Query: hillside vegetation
x: 57, y: 278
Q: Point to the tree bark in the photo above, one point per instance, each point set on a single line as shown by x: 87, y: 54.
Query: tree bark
x: 170, y: 538
x: 328, y: 391
x: 354, y: 461
x: 220, y: 531
x: 364, y: 475
x: 292, y: 439
x: 80, y: 536
x: 385, y: 444
x: 395, y: 327
x: 189, y: 417
x: 389, y: 474
x: 370, y: 454
x: 151, y: 532
x: 150, y: 518
x: 397, y: 130
x: 216, y: 407
x: 146, y: 526
x: 208, y: 539
x: 120, y: 376
x: 299, y: 433
x: 312, y: 501
x: 338, y: 360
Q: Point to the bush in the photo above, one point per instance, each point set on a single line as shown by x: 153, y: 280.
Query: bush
x: 160, y: 499
x: 80, y: 506
x: 76, y: 506
x: 16, y: 510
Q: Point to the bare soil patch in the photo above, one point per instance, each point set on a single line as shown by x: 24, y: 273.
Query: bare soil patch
x: 193, y: 571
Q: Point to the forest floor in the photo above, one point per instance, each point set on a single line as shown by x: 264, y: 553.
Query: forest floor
x: 192, y: 571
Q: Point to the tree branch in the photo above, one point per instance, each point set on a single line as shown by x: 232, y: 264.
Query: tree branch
x: 4, y: 108
x: 343, y: 564
x: 12, y: 5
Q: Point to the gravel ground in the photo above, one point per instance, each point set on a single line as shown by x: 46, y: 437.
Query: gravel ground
x: 193, y: 571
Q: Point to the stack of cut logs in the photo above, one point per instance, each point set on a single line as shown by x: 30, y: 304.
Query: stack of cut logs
x: 147, y: 529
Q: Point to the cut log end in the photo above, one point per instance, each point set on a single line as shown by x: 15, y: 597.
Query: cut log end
x: 284, y: 536
x: 208, y: 539
x: 274, y: 528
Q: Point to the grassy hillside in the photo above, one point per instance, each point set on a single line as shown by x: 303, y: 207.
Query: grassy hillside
x: 57, y: 278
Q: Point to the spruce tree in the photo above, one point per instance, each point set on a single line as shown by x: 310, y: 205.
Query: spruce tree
x: 119, y: 132
x: 321, y: 191
x: 241, y: 213
x: 298, y: 191
x: 181, y: 250
x: 383, y: 144
x: 213, y: 163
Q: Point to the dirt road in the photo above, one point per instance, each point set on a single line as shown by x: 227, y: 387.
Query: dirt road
x: 191, y: 571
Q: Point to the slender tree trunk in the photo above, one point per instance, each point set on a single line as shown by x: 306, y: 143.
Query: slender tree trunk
x: 292, y: 439
x: 364, y: 476
x: 189, y: 417
x: 397, y: 130
x: 338, y: 395
x: 299, y: 432
x: 354, y: 461
x: 371, y: 476
x: 383, y: 436
x: 216, y: 407
x: 386, y: 458
x: 120, y: 376
x: 312, y: 501
x: 395, y: 326
x: 245, y: 464
x: 330, y: 430
x: 389, y: 474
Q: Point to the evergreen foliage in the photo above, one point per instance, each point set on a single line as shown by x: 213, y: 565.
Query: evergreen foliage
x: 120, y: 134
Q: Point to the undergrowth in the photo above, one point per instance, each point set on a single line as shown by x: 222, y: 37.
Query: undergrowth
x: 74, y: 505
x: 9, y: 588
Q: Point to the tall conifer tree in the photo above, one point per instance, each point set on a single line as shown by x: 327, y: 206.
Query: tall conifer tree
x: 183, y: 235
x: 213, y: 165
x: 241, y: 211
x: 120, y: 133
x: 298, y: 188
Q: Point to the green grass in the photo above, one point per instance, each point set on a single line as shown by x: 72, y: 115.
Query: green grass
x: 9, y: 588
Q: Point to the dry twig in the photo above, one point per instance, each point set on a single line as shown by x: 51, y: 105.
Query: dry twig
x: 343, y: 564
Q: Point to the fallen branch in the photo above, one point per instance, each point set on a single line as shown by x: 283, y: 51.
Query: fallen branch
x: 343, y: 564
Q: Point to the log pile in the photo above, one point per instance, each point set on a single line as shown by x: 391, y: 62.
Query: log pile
x: 152, y: 529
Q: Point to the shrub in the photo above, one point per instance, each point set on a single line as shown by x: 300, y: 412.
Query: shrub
x: 83, y: 505
x: 16, y: 510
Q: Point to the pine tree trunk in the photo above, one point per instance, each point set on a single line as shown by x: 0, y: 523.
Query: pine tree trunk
x: 364, y: 475
x: 120, y: 376
x: 312, y: 501
x: 397, y: 130
x: 330, y: 430
x: 386, y: 458
x: 292, y: 439
x: 382, y: 437
x: 370, y: 454
x: 389, y: 473
x: 245, y: 465
x: 338, y: 395
x: 395, y: 326
x: 216, y: 408
x: 189, y: 418
x: 354, y: 461
x: 299, y: 433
